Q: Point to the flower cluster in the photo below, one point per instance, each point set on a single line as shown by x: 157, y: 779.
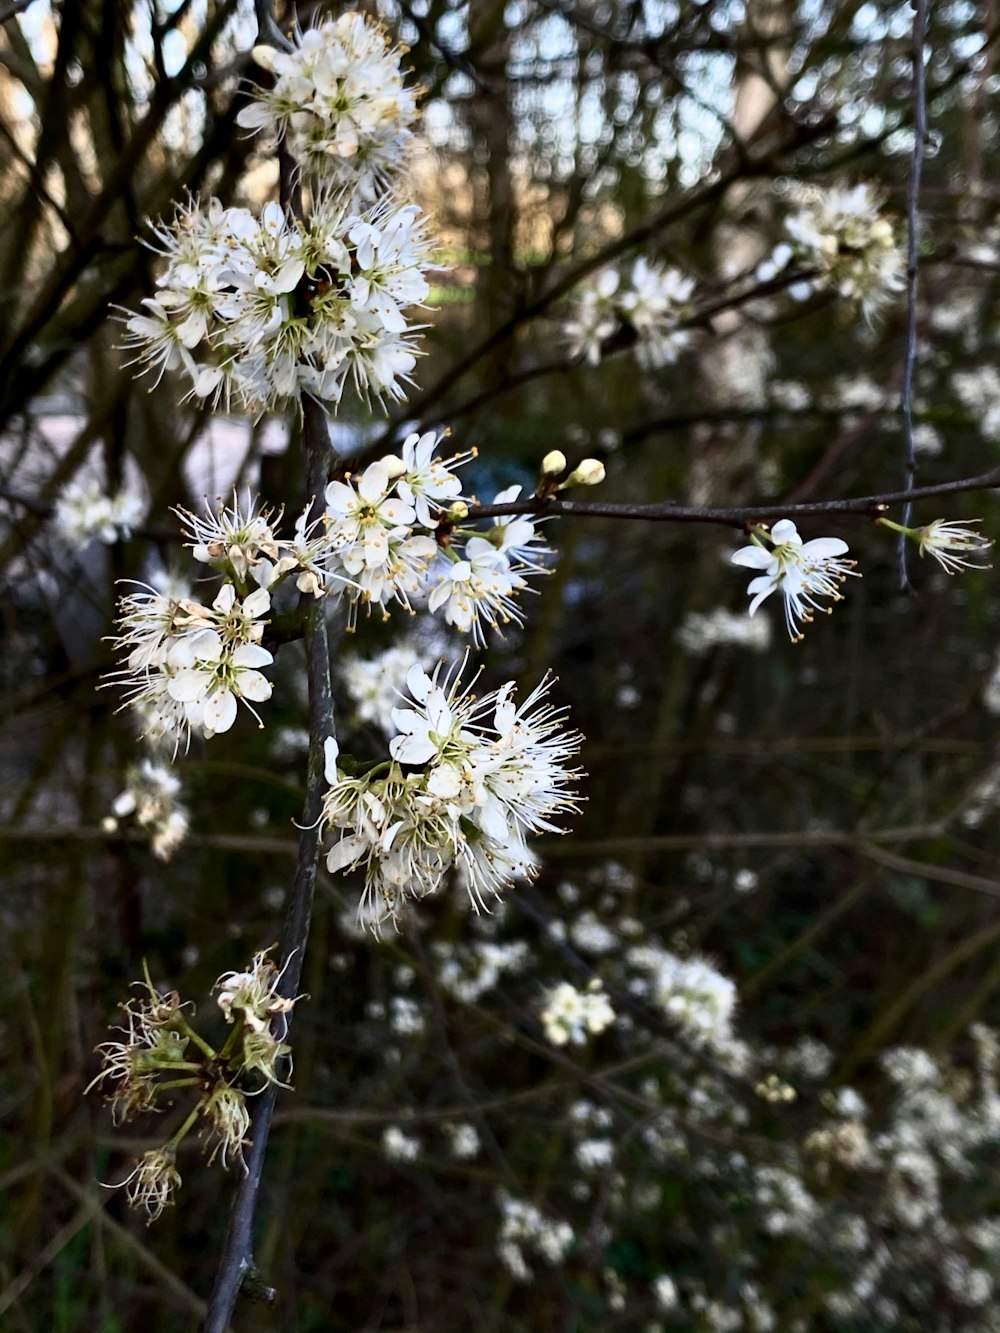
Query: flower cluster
x: 339, y: 101
x: 803, y: 572
x: 690, y: 991
x: 702, y: 631
x: 524, y: 1226
x: 653, y: 305
x: 841, y: 234
x: 83, y: 511
x: 377, y: 543
x: 570, y: 1016
x: 150, y: 795
x: 468, y: 780
x: 158, y: 1051
x: 189, y: 664
x: 382, y: 542
x: 257, y: 311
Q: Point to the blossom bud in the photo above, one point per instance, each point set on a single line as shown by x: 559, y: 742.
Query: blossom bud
x: 394, y: 465
x: 554, y: 463
x: 457, y: 512
x: 264, y: 57
x: 589, y: 473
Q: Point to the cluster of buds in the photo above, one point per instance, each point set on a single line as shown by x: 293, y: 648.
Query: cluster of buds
x: 652, y: 306
x: 552, y: 478
x: 467, y: 781
x: 158, y: 1053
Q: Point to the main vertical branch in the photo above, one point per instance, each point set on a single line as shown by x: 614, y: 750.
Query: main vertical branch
x: 236, y: 1262
x: 912, y: 265
x: 237, y: 1256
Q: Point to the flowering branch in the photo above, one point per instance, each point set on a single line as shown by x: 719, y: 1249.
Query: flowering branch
x: 740, y: 516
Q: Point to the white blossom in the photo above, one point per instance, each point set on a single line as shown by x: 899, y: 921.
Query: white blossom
x: 569, y: 1016
x: 953, y: 545
x: 483, y: 774
x: 842, y: 234
x: 802, y: 572
x: 150, y: 795
x: 339, y: 101
x: 83, y: 512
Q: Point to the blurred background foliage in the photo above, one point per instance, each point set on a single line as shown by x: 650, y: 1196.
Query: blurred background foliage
x: 816, y: 818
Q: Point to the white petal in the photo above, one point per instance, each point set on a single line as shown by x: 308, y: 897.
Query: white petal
x: 753, y: 557
x: 251, y: 655
x: 822, y: 548
x: 187, y: 686
x: 412, y: 749
x: 785, y: 532
x: 331, y: 753
x: 418, y: 682
x: 220, y: 711
x: 257, y: 603
x: 254, y: 686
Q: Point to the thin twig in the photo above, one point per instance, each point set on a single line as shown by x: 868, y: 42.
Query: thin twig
x: 912, y: 265
x: 740, y: 516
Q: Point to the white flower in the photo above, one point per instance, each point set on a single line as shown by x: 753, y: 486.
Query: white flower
x: 594, y: 319
x: 802, y: 572
x: 654, y: 303
x: 253, y: 995
x: 83, y: 511
x: 400, y: 1146
x: 150, y: 795
x: 657, y: 301
x: 427, y: 481
x: 690, y: 991
x: 257, y: 310
x: 952, y: 545
x: 841, y: 233
x: 484, y: 775
x: 210, y: 677
x: 476, y: 591
x: 463, y: 1141
x: 700, y: 632
x: 243, y: 537
x: 370, y: 540
x: 188, y: 664
x: 524, y: 1226
x: 339, y: 100
x: 569, y: 1015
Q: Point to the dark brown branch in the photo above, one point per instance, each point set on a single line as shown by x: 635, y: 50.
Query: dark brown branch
x: 740, y: 516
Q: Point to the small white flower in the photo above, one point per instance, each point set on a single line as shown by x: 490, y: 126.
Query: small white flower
x: 841, y: 233
x: 84, y: 512
x: 803, y: 572
x: 570, y: 1016
x: 954, y: 546
x: 400, y: 1146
